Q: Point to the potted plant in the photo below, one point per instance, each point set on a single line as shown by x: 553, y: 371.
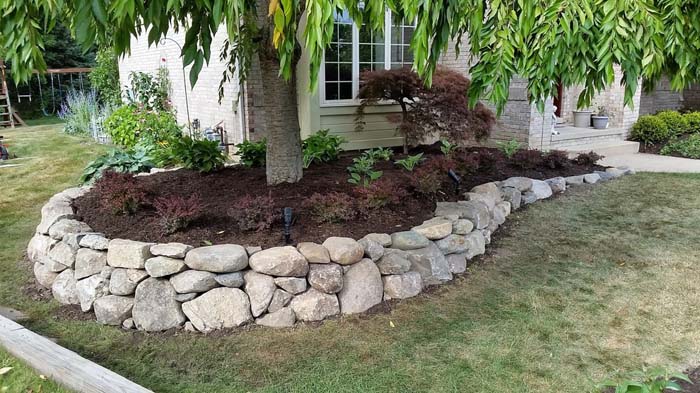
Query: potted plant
x: 582, y: 119
x: 601, y: 119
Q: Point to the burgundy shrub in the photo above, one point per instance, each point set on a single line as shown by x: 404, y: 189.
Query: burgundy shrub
x: 381, y: 193
x: 527, y: 159
x: 331, y: 207
x: 588, y: 159
x: 556, y: 159
x: 428, y: 178
x: 120, y: 192
x: 176, y: 212
x: 254, y: 213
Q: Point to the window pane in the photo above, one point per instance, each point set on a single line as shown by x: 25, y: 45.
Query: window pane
x: 331, y: 72
x: 345, y: 53
x: 365, y: 53
x: 396, y: 54
x: 345, y: 72
x: 345, y: 91
x: 396, y: 35
x: 332, y: 53
x: 331, y: 91
x: 345, y: 33
x: 407, y: 54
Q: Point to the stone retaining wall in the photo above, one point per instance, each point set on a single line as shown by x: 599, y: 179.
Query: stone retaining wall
x: 155, y: 287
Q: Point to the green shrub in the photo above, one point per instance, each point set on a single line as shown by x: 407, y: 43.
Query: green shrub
x: 321, y: 147
x: 649, y: 130
x: 409, y: 163
x: 201, y: 155
x: 129, y: 125
x: 117, y: 160
x: 104, y: 77
x: 362, y: 171
x: 149, y: 92
x: 508, y: 148
x: 252, y: 154
x: 676, y: 123
x: 689, y: 147
x: 379, y: 154
x: 693, y: 119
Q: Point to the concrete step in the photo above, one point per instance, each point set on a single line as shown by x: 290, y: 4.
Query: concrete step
x: 608, y: 149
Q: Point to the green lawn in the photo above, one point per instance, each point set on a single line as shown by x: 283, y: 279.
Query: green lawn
x: 600, y: 281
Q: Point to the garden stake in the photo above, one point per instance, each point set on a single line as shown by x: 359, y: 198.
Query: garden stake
x: 287, y: 215
x: 455, y: 179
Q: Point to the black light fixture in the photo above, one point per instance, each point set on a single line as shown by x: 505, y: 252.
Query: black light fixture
x: 455, y: 179
x: 287, y: 216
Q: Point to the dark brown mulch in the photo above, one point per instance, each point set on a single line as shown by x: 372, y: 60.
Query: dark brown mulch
x: 694, y: 375
x: 220, y: 190
x: 650, y: 149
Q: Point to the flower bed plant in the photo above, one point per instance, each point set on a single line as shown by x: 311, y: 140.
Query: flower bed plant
x: 669, y: 133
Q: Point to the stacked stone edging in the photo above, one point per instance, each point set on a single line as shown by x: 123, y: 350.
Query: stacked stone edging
x: 155, y: 287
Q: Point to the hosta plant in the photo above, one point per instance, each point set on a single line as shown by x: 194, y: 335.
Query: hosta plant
x: 409, y: 163
x: 651, y: 381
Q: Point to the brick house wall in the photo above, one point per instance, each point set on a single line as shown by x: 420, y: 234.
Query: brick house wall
x: 661, y: 98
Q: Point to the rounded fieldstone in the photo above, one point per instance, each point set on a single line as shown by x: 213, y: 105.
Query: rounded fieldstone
x: 521, y: 184
x: 280, y: 299
x: 220, y: 308
x: 408, y: 240
x: 314, y: 305
x: 282, y: 318
x: 64, y: 288
x: 222, y: 258
x: 362, y: 288
x: 39, y: 247
x: 63, y: 227
x: 171, y: 250
x: 280, y: 261
x: 161, y: 266
x: 462, y: 226
x: 344, y: 250
x: 89, y: 262
x: 260, y: 289
x: 373, y: 250
x: 394, y: 262
x: 91, y: 289
x: 402, y: 286
x: 155, y: 307
x: 53, y: 211
x: 382, y: 238
x: 63, y: 254
x: 430, y: 262
x: 128, y: 254
x: 123, y: 282
x: 541, y: 189
x: 113, y: 310
x: 44, y: 276
x: 313, y: 252
x: 557, y: 184
x: 327, y: 278
x: 435, y: 228
x: 292, y: 285
x: 191, y: 281
x: 591, y: 178
x: 231, y: 280
x: 94, y: 241
x: 457, y: 263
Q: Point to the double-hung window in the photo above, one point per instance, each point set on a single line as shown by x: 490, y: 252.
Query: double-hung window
x: 354, y: 50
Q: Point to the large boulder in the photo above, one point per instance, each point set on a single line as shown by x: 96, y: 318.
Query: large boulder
x: 220, y: 308
x: 222, y: 258
x: 557, y: 184
x: 64, y: 288
x: 435, y: 228
x: 430, y: 262
x: 373, y: 250
x: 193, y: 281
x: 402, y: 286
x: 512, y: 195
x: 162, y: 266
x: 280, y: 299
x: 128, y: 254
x: 63, y: 227
x: 326, y: 278
x: 314, y: 252
x: 453, y: 244
x: 362, y: 288
x: 170, y: 250
x: 382, y: 238
x: 476, y: 212
x: 591, y: 178
x: 91, y: 289
x: 89, y: 262
x: 44, y: 276
x: 344, y: 250
x: 113, y: 310
x: 541, y: 189
x: 280, y: 261
x: 292, y: 285
x: 39, y: 247
x: 521, y: 184
x: 314, y: 305
x: 63, y: 254
x: 94, y: 241
x: 408, y: 240
x: 260, y: 289
x: 231, y: 280
x: 394, y: 262
x: 282, y: 318
x: 155, y: 307
x: 123, y: 282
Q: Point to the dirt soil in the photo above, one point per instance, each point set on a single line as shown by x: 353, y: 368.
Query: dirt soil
x: 220, y: 190
x: 694, y: 375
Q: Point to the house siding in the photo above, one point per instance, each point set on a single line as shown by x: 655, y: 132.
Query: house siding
x: 663, y: 97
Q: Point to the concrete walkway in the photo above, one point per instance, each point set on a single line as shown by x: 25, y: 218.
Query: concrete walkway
x: 653, y: 163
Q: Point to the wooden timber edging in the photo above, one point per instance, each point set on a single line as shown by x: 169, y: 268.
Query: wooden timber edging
x: 61, y: 365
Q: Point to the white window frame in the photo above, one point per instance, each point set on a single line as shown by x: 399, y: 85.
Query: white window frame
x: 355, y: 65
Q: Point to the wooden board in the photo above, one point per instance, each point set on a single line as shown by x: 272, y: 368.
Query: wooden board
x: 60, y: 364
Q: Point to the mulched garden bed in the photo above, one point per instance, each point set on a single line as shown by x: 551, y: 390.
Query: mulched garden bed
x: 219, y: 192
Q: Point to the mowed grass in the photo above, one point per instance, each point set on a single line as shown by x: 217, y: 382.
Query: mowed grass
x: 600, y: 281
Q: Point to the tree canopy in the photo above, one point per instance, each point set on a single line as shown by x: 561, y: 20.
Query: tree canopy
x: 572, y: 41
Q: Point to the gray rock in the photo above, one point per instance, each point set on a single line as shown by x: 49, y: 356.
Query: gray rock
x: 431, y: 264
x: 382, y: 238
x: 344, y: 250
x: 528, y: 198
x: 521, y: 184
x: 435, y: 228
x: 220, y: 308
x: 91, y: 289
x: 128, y: 324
x: 123, y: 282
x: 39, y: 247
x: 313, y: 252
x: 394, y: 262
x: 499, y: 214
x: 408, y: 240
x: 476, y: 212
x: 128, y: 254
x: 63, y: 254
x: 260, y: 289
x: 186, y: 297
x: 94, y: 241
x: 452, y: 244
x: 457, y: 263
x: 189, y: 327
x: 490, y: 190
x: 171, y: 250
x: 280, y: 261
x: 52, y: 265
x: 326, y: 278
x: 314, y: 305
x: 53, y: 211
x: 462, y: 226
x: 231, y: 280
x: 557, y: 184
x: 615, y: 172
x: 63, y: 227
x: 73, y: 239
x: 43, y: 275
x: 223, y: 258
x: 362, y: 288
x: 604, y: 176
x: 191, y: 281
x: 513, y: 196
x: 155, y: 307
x: 574, y: 180
x: 64, y: 288
x: 252, y: 249
x: 627, y: 170
x: 73, y: 192
x: 486, y: 233
x: 373, y: 250
x: 162, y: 266
x: 591, y: 178
x: 292, y: 285
x: 486, y: 199
x: 113, y: 310
x: 402, y: 286
x: 541, y: 189
x: 477, y: 244
x: 280, y: 299
x: 282, y: 318
x: 89, y: 262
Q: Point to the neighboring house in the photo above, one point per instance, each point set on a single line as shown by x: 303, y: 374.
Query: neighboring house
x: 333, y: 104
